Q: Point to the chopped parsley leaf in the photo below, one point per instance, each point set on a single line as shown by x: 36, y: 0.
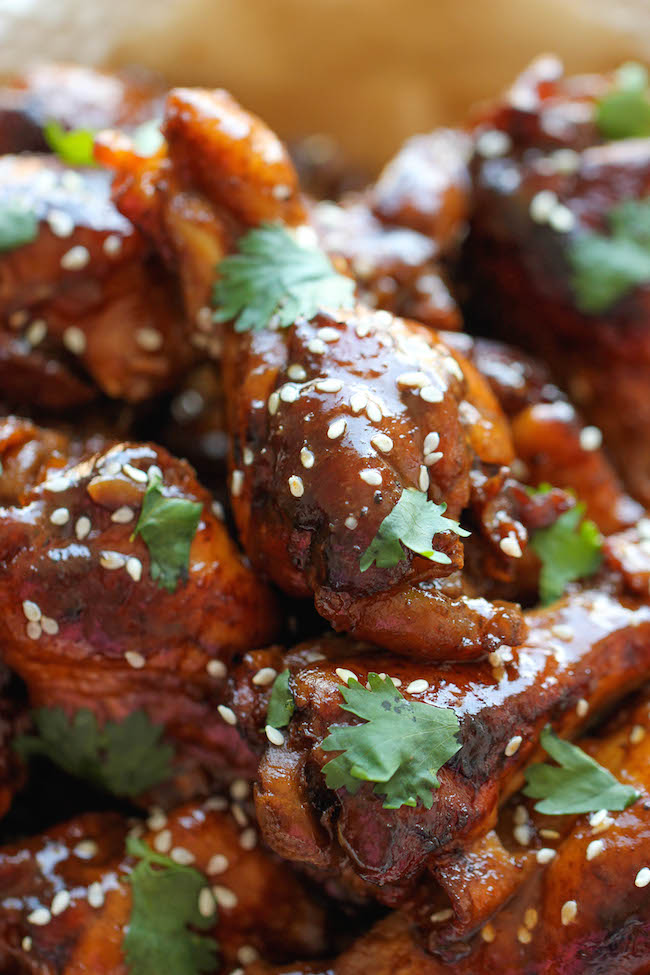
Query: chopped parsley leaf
x: 569, y: 549
x: 281, y: 703
x: 168, y: 526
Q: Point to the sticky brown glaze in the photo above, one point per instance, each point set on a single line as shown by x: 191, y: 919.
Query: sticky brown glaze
x: 517, y: 260
x: 76, y: 97
x: 85, y: 305
x: 27, y: 454
x: 13, y: 721
x: 593, y: 645
x: 86, y: 857
x: 105, y: 636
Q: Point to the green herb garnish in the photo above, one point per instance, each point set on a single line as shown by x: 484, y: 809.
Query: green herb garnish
x: 274, y: 277
x: 167, y: 526
x: 281, y: 702
x: 569, y: 549
x: 159, y: 939
x: 624, y: 112
x: 413, y: 522
x: 400, y: 748
x: 578, y: 784
x: 17, y: 226
x: 73, y: 146
x: 125, y: 758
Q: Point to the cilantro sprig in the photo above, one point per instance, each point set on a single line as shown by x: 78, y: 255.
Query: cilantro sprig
x: 281, y: 703
x: 125, y: 758
x: 577, y: 784
x: 604, y: 268
x: 18, y: 226
x: 569, y: 549
x: 275, y: 277
x: 165, y: 909
x: 167, y: 526
x: 413, y: 523
x: 400, y: 747
x: 73, y: 146
x: 624, y: 112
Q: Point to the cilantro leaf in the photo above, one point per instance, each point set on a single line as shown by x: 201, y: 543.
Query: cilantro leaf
x: 273, y: 276
x: 624, y: 112
x: 578, y: 784
x: 17, y: 226
x: 74, y: 146
x: 125, y: 758
x: 569, y: 549
x: 414, y: 521
x: 281, y: 703
x: 401, y: 746
x: 165, y: 909
x: 167, y: 526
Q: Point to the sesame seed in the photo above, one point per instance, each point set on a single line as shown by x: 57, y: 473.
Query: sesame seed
x: 524, y: 936
x: 264, y: 676
x: 60, y: 223
x: 530, y: 918
x: 337, y: 428
x: 56, y: 484
x: 60, y: 902
x: 382, y: 442
x: 122, y: 515
x: 413, y: 380
x: 358, y: 402
x: 206, y: 902
x: 439, y: 916
x: 423, y: 479
x: 225, y: 898
x: 328, y: 334
x: 351, y: 522
x: 26, y: 943
x: 36, y: 332
x: 417, y: 686
x: 296, y: 486
x: 565, y: 160
x: 112, y: 560
x: 431, y: 394
x: 549, y: 834
x: 289, y: 393
x: 594, y: 849
x: 273, y: 403
x: 247, y: 456
x: 74, y: 340
x: 134, y: 473
x: 431, y: 442
x: 82, y: 528
x: 396, y: 681
x: 157, y: 820
x: 562, y: 631
x: 76, y: 258
x: 431, y: 459
x: 248, y: 839
x: 329, y: 385
x: 274, y: 735
x: 306, y: 458
x: 216, y: 668
x: 40, y: 916
x: 520, y: 814
x: 60, y: 516
x: 296, y: 372
x: 542, y: 205
x: 582, y: 707
x: 247, y: 954
x: 637, y: 734
x: 236, y: 483
x: 149, y: 339
x: 217, y: 864
x: 49, y: 626
x: 372, y: 477
x: 522, y: 834
x: 86, y: 849
x: 162, y: 841
x: 493, y: 143
x: 227, y: 714
x: 590, y: 438
x: 513, y: 745
x: 545, y: 855
x: 31, y: 610
x: 217, y: 510
x: 181, y: 855
x: 33, y: 630
x: 568, y: 912
x: 134, y: 659
x: 373, y: 412
x: 134, y: 568
x: 316, y: 346
x: 345, y: 675
x: 204, y: 318
x: 95, y: 894
x: 510, y: 546
x: 600, y: 821
x: 561, y: 219
x: 642, y: 879
x: 488, y: 933
x: 112, y: 246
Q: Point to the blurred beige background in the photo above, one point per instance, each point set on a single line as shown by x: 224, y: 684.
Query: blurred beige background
x: 368, y: 71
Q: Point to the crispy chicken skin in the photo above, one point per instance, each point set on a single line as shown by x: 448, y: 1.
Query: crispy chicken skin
x: 516, y: 258
x: 85, y: 306
x: 87, y: 855
x: 76, y: 97
x: 85, y: 626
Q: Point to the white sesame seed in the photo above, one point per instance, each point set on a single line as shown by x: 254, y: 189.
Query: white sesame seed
x: 562, y: 631
x: 60, y: 902
x: 594, y: 849
x: 372, y: 477
x: 431, y: 394
x: 413, y: 380
x: 225, y: 898
x: 493, y: 143
x: 396, y: 681
x: 296, y: 372
x: 36, y: 332
x: 247, y: 456
x: 181, y: 855
x: 542, y: 205
x: 642, y: 879
x: 157, y: 820
x: 316, y: 346
x: 351, y: 522
x: 520, y: 814
x: 439, y: 916
x: 423, y: 479
x: 123, y: 515
x: 582, y: 707
x: 236, y: 483
x: 273, y: 403
x: 74, y: 340
x: 431, y: 459
x: 162, y: 841
x: 112, y: 246
x: 134, y: 659
x: 26, y: 943
x: 431, y: 442
x: 134, y: 568
x: 545, y: 855
x: 524, y: 936
x: 206, y: 902
x: 358, y: 402
x: 60, y: 516
x: 417, y: 686
x: 86, y: 849
x: 329, y: 385
x: 510, y: 546
x: 513, y: 745
x: 216, y: 668
x: 56, y: 484
x: 112, y: 560
x: 306, y: 458
x: 134, y: 473
x: 60, y: 223
x: 239, y: 815
x: 49, y: 626
x: 217, y: 864
x: 289, y: 393
x: 149, y: 339
x: 76, y: 258
x: 637, y: 734
x: 248, y: 839
x: 345, y: 675
x: 523, y: 834
x: 264, y: 676
x: 31, y: 610
x: 590, y: 438
x: 337, y: 428
x: 600, y: 821
x: 39, y: 916
x: 569, y: 912
x: 488, y: 933
x: 82, y: 528
x: 549, y: 834
x: 561, y: 219
x: 33, y: 630
x: 227, y: 714
x: 382, y: 442
x: 296, y: 486
x: 565, y: 160
x: 274, y: 735
x: 95, y: 894
x: 373, y: 412
x: 328, y: 334
x: 247, y: 954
